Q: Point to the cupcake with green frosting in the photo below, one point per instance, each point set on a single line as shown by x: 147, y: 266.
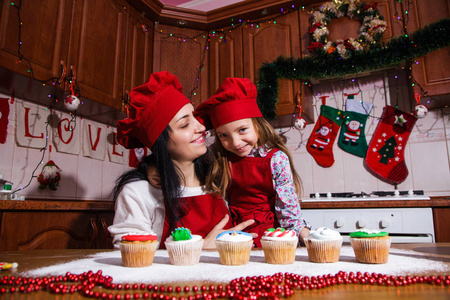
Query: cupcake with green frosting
x: 370, y: 246
x: 183, y: 247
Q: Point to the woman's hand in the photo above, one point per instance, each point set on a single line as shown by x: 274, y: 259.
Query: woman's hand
x: 210, y: 238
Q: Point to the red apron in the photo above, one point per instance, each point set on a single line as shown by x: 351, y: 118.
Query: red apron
x: 200, y: 214
x: 251, y: 194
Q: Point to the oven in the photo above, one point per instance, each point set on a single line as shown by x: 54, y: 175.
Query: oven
x: 404, y: 225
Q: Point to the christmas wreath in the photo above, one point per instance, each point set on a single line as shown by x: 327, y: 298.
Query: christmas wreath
x: 372, y: 27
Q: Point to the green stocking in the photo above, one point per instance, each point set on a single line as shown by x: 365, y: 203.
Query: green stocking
x: 352, y: 138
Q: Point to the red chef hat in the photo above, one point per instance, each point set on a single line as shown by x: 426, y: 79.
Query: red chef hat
x: 151, y: 108
x: 234, y: 100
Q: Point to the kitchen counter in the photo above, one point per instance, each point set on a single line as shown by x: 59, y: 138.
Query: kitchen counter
x: 29, y: 260
x: 37, y: 204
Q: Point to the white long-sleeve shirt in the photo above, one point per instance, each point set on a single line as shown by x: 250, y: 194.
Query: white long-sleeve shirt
x: 140, y: 208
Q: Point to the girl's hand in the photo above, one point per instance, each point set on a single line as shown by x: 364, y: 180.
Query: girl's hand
x: 303, y: 233
x: 210, y: 238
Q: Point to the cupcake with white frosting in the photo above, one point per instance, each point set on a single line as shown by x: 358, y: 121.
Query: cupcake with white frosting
x: 279, y: 245
x: 183, y: 247
x: 323, y: 245
x: 234, y: 247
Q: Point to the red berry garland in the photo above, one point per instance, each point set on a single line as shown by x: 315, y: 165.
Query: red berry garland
x: 98, y: 286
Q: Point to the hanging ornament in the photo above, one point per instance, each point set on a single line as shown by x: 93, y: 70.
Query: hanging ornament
x: 420, y: 110
x: 299, y: 123
x: 50, y: 176
x: 72, y: 102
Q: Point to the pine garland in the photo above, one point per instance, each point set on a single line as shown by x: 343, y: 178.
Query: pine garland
x: 430, y: 38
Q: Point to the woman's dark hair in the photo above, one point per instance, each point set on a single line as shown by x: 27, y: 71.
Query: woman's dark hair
x: 171, y: 177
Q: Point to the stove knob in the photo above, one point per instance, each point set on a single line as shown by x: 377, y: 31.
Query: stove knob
x: 360, y: 223
x: 385, y: 223
x: 339, y: 223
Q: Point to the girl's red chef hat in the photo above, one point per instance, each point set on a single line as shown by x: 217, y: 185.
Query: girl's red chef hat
x: 234, y: 100
x: 151, y: 108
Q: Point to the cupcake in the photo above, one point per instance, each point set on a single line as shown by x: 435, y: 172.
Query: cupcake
x: 138, y: 250
x: 279, y: 246
x: 183, y: 247
x: 370, y: 246
x: 234, y: 247
x: 323, y: 245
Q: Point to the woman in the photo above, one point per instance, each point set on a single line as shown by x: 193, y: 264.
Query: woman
x: 161, y: 118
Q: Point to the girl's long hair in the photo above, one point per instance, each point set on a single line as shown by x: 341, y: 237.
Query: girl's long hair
x: 219, y: 178
x: 171, y: 177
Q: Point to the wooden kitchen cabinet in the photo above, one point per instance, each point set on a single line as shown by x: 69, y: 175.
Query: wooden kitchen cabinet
x: 183, y: 52
x: 109, y: 48
x: 433, y: 70
x: 441, y: 216
x: 225, y: 58
x: 28, y: 230
x: 45, y: 35
x: 266, y: 43
x: 248, y: 47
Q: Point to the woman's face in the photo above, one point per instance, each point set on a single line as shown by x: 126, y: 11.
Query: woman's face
x: 186, y: 141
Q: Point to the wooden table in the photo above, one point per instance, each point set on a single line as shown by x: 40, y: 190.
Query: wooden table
x: 28, y: 260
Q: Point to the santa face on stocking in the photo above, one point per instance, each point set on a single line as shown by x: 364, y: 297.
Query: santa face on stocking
x: 353, y: 132
x: 320, y: 143
x: 322, y: 138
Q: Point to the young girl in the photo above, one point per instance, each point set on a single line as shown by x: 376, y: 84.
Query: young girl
x: 252, y: 168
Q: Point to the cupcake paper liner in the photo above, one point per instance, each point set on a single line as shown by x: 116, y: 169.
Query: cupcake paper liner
x: 279, y: 252
x: 138, y: 254
x: 234, y: 253
x: 184, y: 254
x: 323, y: 251
x: 371, y: 250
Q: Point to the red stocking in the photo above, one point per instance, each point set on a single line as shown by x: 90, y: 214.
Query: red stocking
x: 385, y: 155
x: 320, y: 143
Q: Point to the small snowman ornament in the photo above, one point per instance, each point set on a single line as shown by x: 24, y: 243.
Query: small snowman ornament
x: 420, y: 111
x: 300, y: 124
x: 71, y: 102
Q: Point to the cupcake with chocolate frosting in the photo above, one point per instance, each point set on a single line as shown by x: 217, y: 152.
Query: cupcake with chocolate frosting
x: 370, y: 246
x: 323, y: 245
x: 183, y: 247
x: 279, y: 245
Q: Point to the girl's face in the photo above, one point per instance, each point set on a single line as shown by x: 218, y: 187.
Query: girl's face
x: 238, y: 137
x: 186, y: 141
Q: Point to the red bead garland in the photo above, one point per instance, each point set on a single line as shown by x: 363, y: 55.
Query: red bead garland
x: 95, y: 285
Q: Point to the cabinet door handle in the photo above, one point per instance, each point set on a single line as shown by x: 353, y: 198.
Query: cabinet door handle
x: 107, y: 238
x: 94, y: 234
